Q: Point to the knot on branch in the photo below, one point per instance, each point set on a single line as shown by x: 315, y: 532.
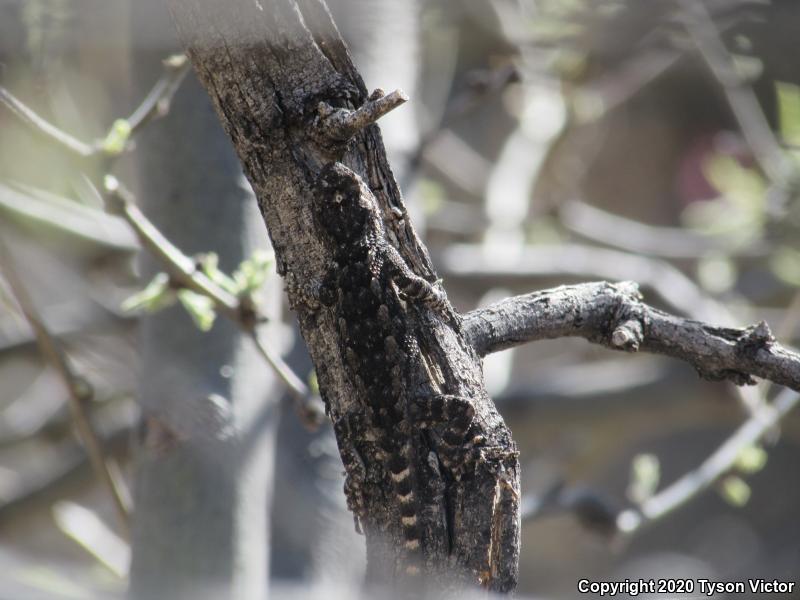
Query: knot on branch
x: 338, y: 125
x: 747, y: 344
x: 629, y: 319
x: 754, y: 338
x: 628, y: 335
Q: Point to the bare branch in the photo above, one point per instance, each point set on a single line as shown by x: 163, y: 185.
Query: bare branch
x: 183, y: 270
x: 614, y: 316
x: 43, y: 127
x: 673, y: 287
x: 157, y: 102
x: 80, y: 391
x: 341, y: 124
x: 669, y: 242
x: 714, y: 467
x: 185, y: 273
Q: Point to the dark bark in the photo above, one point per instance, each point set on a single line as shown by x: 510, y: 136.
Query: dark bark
x: 267, y: 67
x: 205, y: 459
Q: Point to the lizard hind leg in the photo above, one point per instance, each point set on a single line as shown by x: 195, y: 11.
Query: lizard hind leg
x: 452, y: 418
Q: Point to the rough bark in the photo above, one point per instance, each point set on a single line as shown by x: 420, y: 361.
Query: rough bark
x: 615, y: 316
x: 267, y: 67
x: 311, y: 523
x: 205, y: 458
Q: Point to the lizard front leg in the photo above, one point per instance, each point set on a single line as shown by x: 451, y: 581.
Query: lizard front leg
x: 414, y: 287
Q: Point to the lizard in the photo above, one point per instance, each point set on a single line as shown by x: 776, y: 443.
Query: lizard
x: 370, y: 287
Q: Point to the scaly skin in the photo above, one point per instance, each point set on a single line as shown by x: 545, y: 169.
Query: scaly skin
x: 370, y: 288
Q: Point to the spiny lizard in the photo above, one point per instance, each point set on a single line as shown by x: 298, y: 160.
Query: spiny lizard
x: 370, y: 287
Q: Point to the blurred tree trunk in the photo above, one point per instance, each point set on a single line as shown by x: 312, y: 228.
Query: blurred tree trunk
x: 205, y: 459
x: 267, y: 66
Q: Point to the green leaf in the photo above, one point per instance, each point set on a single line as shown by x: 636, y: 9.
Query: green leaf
x: 253, y: 272
x: 735, y: 490
x: 200, y: 308
x: 544, y: 230
x: 432, y: 196
x: 789, y: 111
x: 743, y: 186
x: 157, y: 295
x: 313, y: 382
x: 751, y: 459
x: 749, y: 68
x: 645, y: 477
x: 785, y: 264
x: 739, y: 211
x: 117, y: 137
x: 209, y: 263
x: 717, y: 274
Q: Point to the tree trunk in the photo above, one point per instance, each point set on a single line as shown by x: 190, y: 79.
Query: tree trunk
x: 311, y: 523
x: 205, y: 459
x: 274, y: 72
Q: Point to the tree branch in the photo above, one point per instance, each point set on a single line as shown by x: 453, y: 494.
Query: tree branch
x: 79, y: 389
x: 155, y: 104
x: 341, y: 124
x: 680, y: 293
x: 180, y: 267
x: 598, y: 225
x: 711, y: 469
x: 614, y: 316
x: 185, y: 273
x: 50, y: 132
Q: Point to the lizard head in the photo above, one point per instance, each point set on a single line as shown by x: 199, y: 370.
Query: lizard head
x: 344, y: 208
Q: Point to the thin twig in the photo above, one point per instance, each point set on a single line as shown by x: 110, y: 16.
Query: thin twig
x: 740, y: 95
x: 183, y: 270
x: 157, y: 103
x: 44, y: 128
x: 598, y: 225
x: 185, y: 273
x: 79, y: 389
x: 306, y: 405
x: 714, y: 467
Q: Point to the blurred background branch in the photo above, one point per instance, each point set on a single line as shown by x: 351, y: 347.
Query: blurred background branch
x: 79, y: 389
x: 546, y: 142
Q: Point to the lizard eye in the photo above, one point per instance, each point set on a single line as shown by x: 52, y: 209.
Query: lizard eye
x: 338, y: 197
